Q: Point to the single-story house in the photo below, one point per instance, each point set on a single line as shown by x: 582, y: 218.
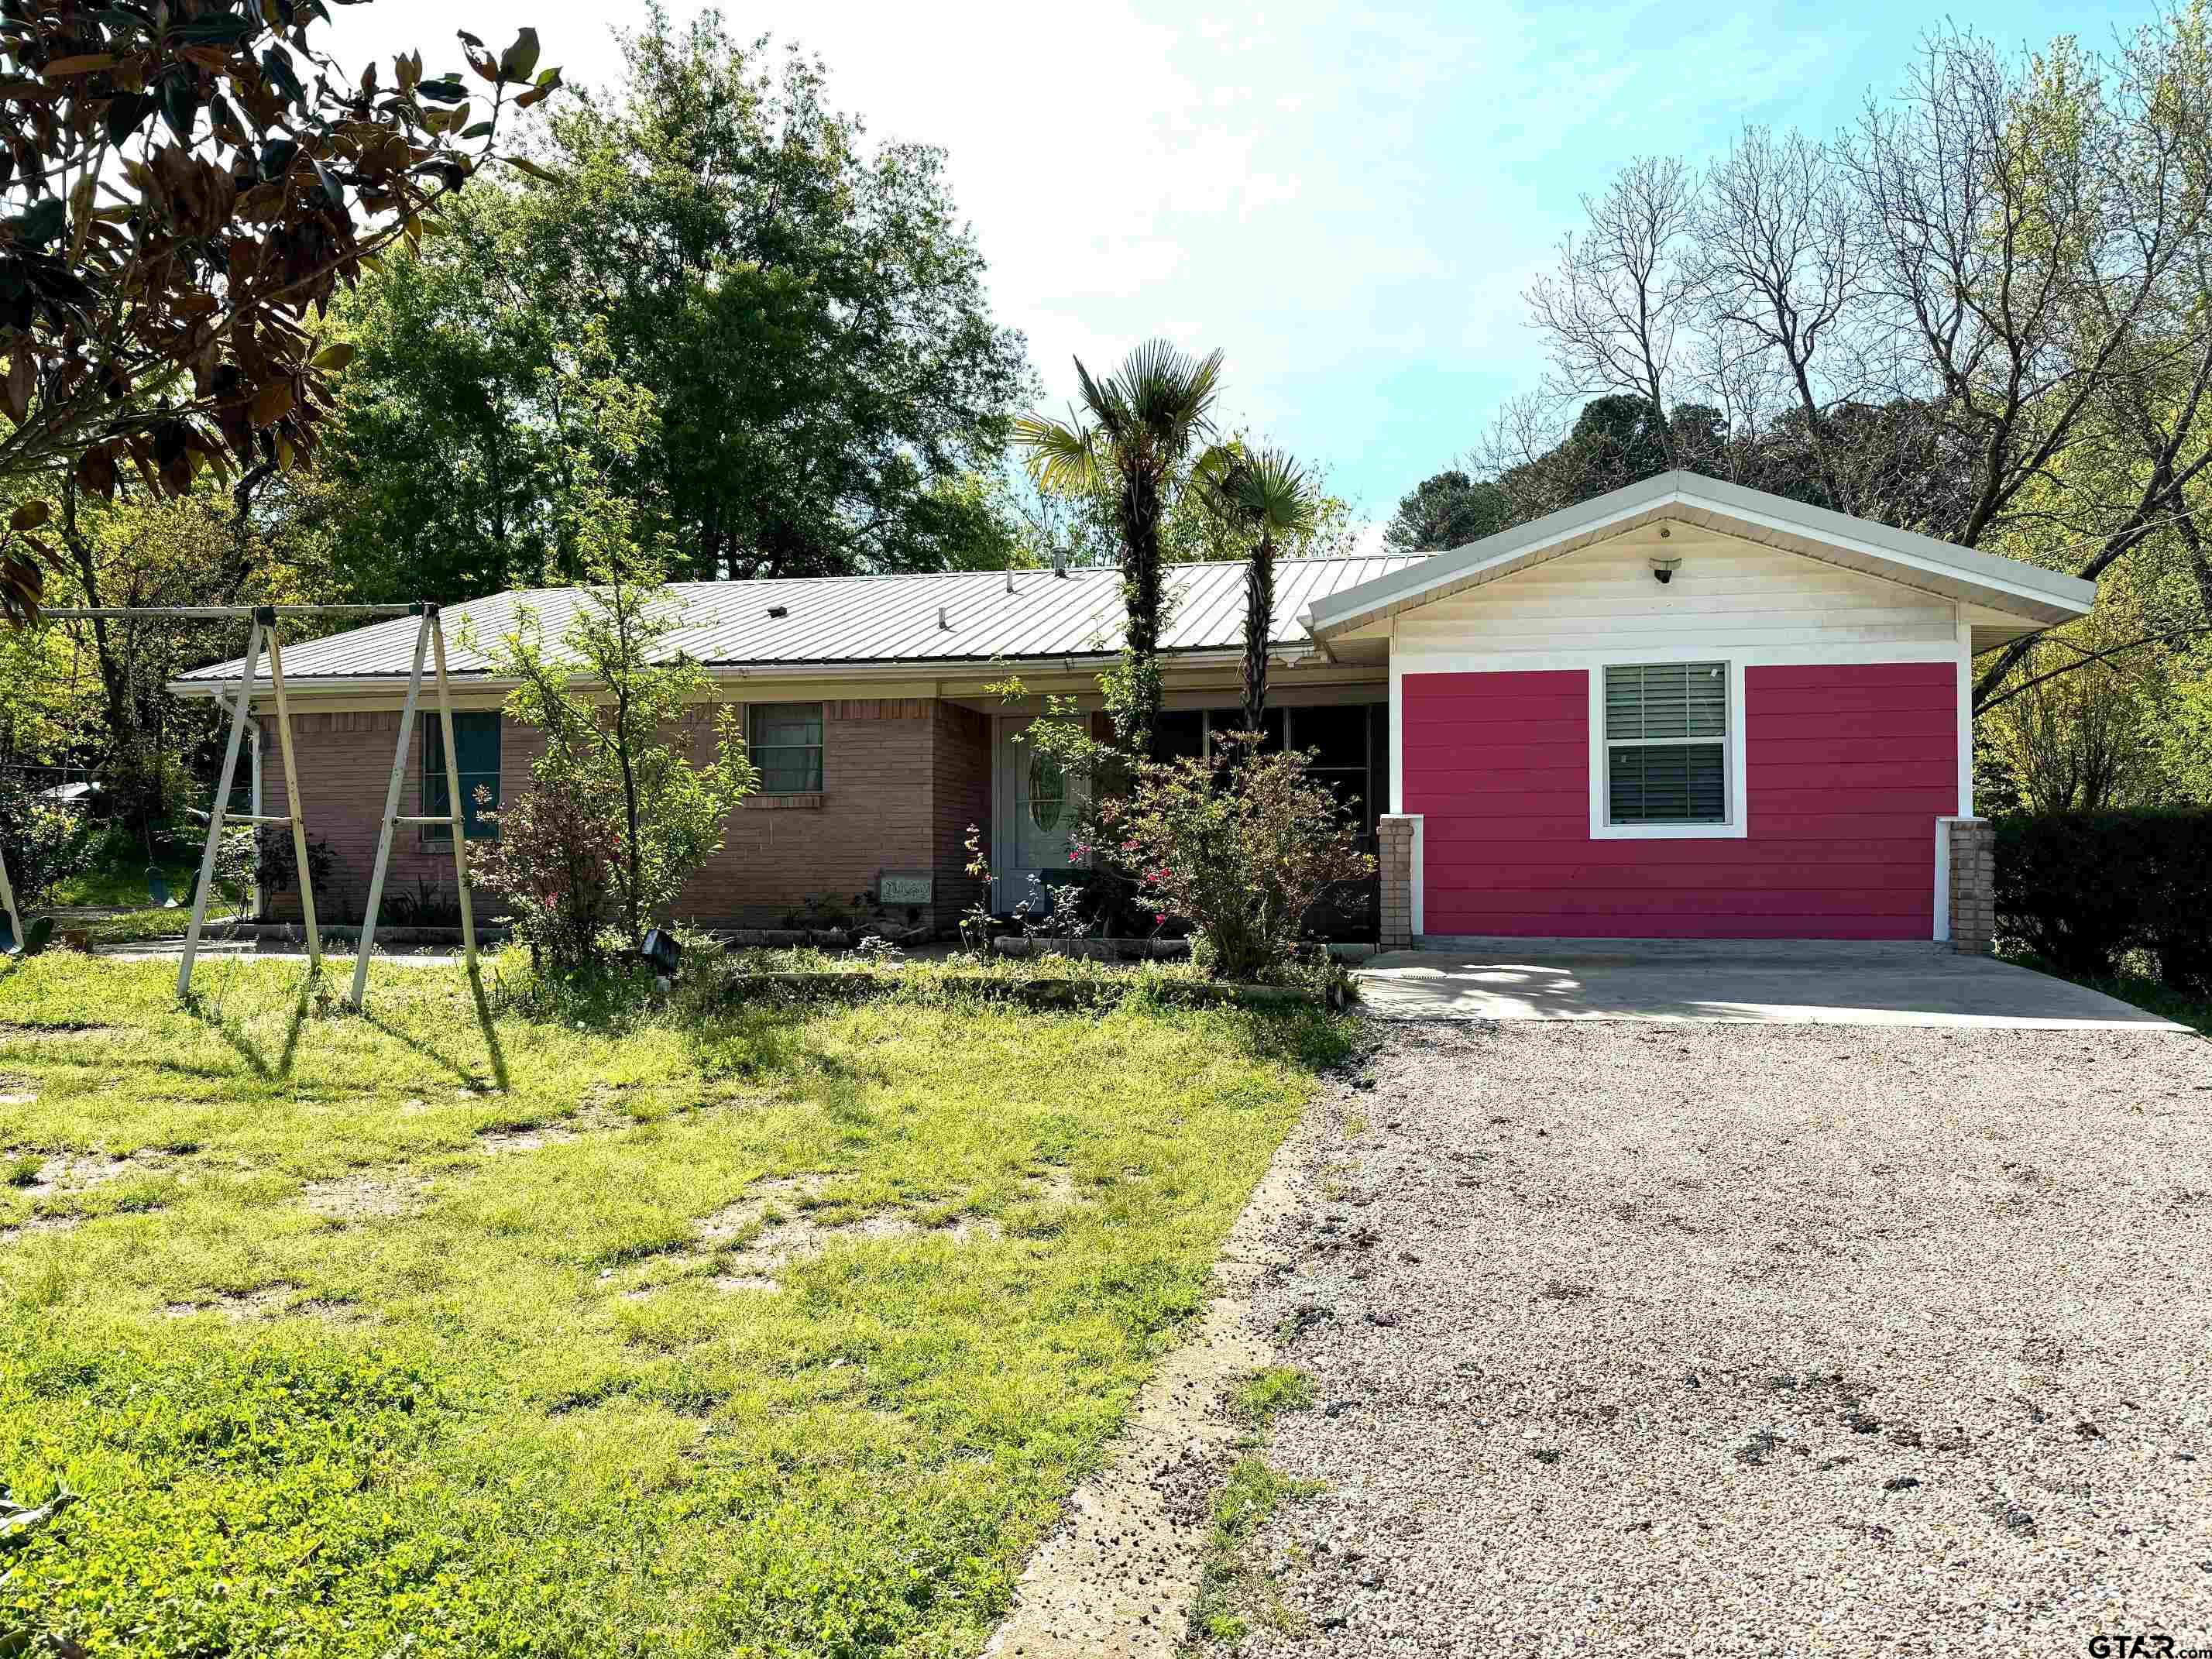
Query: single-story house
x: 1684, y: 709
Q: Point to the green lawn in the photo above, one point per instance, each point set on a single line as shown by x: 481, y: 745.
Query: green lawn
x: 783, y: 1331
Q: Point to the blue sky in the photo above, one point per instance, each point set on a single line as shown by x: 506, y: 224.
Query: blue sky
x: 1348, y: 199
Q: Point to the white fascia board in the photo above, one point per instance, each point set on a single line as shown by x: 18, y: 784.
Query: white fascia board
x: 2056, y: 598
x: 931, y: 669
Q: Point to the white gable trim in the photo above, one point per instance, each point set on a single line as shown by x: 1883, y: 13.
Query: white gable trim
x: 2009, y: 585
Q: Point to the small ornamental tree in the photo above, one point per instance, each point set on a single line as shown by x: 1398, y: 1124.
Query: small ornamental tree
x: 183, y: 185
x: 1243, y: 845
x: 620, y: 816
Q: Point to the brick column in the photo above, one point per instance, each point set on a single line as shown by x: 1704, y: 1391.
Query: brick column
x: 1394, y: 832
x: 1973, y: 886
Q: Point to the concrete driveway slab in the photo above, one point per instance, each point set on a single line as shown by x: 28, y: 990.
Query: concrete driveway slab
x: 1787, y: 982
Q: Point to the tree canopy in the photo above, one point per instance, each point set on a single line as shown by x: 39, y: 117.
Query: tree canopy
x: 1978, y: 313
x: 807, y: 309
x: 1448, y: 510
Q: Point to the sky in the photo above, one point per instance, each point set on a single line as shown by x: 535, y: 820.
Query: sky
x: 1349, y: 200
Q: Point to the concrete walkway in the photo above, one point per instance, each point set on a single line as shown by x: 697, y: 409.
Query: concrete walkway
x: 1791, y: 982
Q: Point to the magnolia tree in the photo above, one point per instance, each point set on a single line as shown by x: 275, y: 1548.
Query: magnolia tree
x: 1243, y: 845
x: 183, y: 185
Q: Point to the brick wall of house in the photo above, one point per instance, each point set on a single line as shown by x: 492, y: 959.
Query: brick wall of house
x: 902, y: 778
x: 960, y: 755
x: 344, y: 762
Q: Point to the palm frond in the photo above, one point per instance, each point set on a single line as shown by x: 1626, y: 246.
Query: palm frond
x: 1061, y: 456
x: 1278, y: 493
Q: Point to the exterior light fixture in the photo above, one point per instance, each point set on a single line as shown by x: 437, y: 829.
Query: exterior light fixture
x: 1663, y: 569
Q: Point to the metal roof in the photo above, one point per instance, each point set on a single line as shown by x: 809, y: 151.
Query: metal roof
x: 952, y: 617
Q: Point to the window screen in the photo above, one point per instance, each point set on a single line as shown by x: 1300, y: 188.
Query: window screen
x: 785, y: 739
x: 1665, y: 735
x: 476, y: 748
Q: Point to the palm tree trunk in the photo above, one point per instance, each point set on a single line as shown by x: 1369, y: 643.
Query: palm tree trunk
x: 1141, y: 599
x: 1259, y: 617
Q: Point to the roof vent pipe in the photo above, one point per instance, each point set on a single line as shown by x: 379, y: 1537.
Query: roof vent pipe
x: 942, y: 620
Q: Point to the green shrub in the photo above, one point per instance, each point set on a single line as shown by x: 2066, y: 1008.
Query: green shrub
x: 1242, y: 845
x: 2079, y: 888
x: 45, y: 844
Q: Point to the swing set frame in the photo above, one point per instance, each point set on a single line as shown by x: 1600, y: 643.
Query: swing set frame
x: 266, y: 624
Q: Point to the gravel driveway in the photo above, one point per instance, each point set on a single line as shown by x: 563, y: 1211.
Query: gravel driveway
x: 1709, y: 1338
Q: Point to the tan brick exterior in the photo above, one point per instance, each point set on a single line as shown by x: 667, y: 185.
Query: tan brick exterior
x: 902, y: 778
x: 1973, y: 886
x: 1394, y: 835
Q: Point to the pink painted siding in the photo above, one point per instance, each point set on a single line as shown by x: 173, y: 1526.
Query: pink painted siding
x: 1848, y: 769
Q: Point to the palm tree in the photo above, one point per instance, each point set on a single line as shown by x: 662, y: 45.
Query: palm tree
x: 1268, y: 496
x: 1133, y: 433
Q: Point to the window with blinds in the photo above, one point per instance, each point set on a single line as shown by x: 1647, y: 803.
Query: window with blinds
x: 1666, y: 742
x: 785, y: 742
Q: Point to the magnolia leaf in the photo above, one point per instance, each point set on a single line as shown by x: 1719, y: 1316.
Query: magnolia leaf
x: 124, y: 112
x: 95, y: 474
x: 89, y: 63
x: 335, y: 356
x: 547, y: 83
x: 445, y: 89
x: 523, y: 164
x: 277, y: 64
x: 180, y: 105
x: 15, y: 389
x: 30, y: 515
x: 42, y: 220
x: 23, y: 584
x: 478, y: 130
x: 212, y: 31
x: 520, y: 60
x: 272, y: 403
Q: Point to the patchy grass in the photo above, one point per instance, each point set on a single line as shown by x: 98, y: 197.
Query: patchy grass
x: 417, y: 1331
x: 2133, y: 984
x: 1233, y: 1591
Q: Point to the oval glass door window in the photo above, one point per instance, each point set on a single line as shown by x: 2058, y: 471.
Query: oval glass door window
x: 1047, y: 791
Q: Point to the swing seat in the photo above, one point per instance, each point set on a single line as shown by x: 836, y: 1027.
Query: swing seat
x: 36, y: 934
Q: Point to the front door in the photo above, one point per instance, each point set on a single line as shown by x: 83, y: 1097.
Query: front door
x: 1035, y: 810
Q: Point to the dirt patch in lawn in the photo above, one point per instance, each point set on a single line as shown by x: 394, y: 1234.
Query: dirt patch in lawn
x: 368, y: 1198
x: 262, y: 1302
x: 752, y: 1241
x: 531, y: 1137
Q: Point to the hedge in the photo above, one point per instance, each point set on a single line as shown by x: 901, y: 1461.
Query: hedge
x: 2078, y: 888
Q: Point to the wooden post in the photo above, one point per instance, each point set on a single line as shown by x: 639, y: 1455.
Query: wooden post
x: 216, y: 813
x: 292, y: 801
x: 391, y: 810
x: 8, y: 904
x: 453, y: 796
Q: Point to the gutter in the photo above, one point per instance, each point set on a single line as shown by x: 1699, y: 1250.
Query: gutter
x: 909, y: 668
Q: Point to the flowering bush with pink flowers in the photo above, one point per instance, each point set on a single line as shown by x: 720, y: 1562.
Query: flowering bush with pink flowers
x: 1242, y: 845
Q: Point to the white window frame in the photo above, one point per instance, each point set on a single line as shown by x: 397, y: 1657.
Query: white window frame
x: 1733, y: 826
